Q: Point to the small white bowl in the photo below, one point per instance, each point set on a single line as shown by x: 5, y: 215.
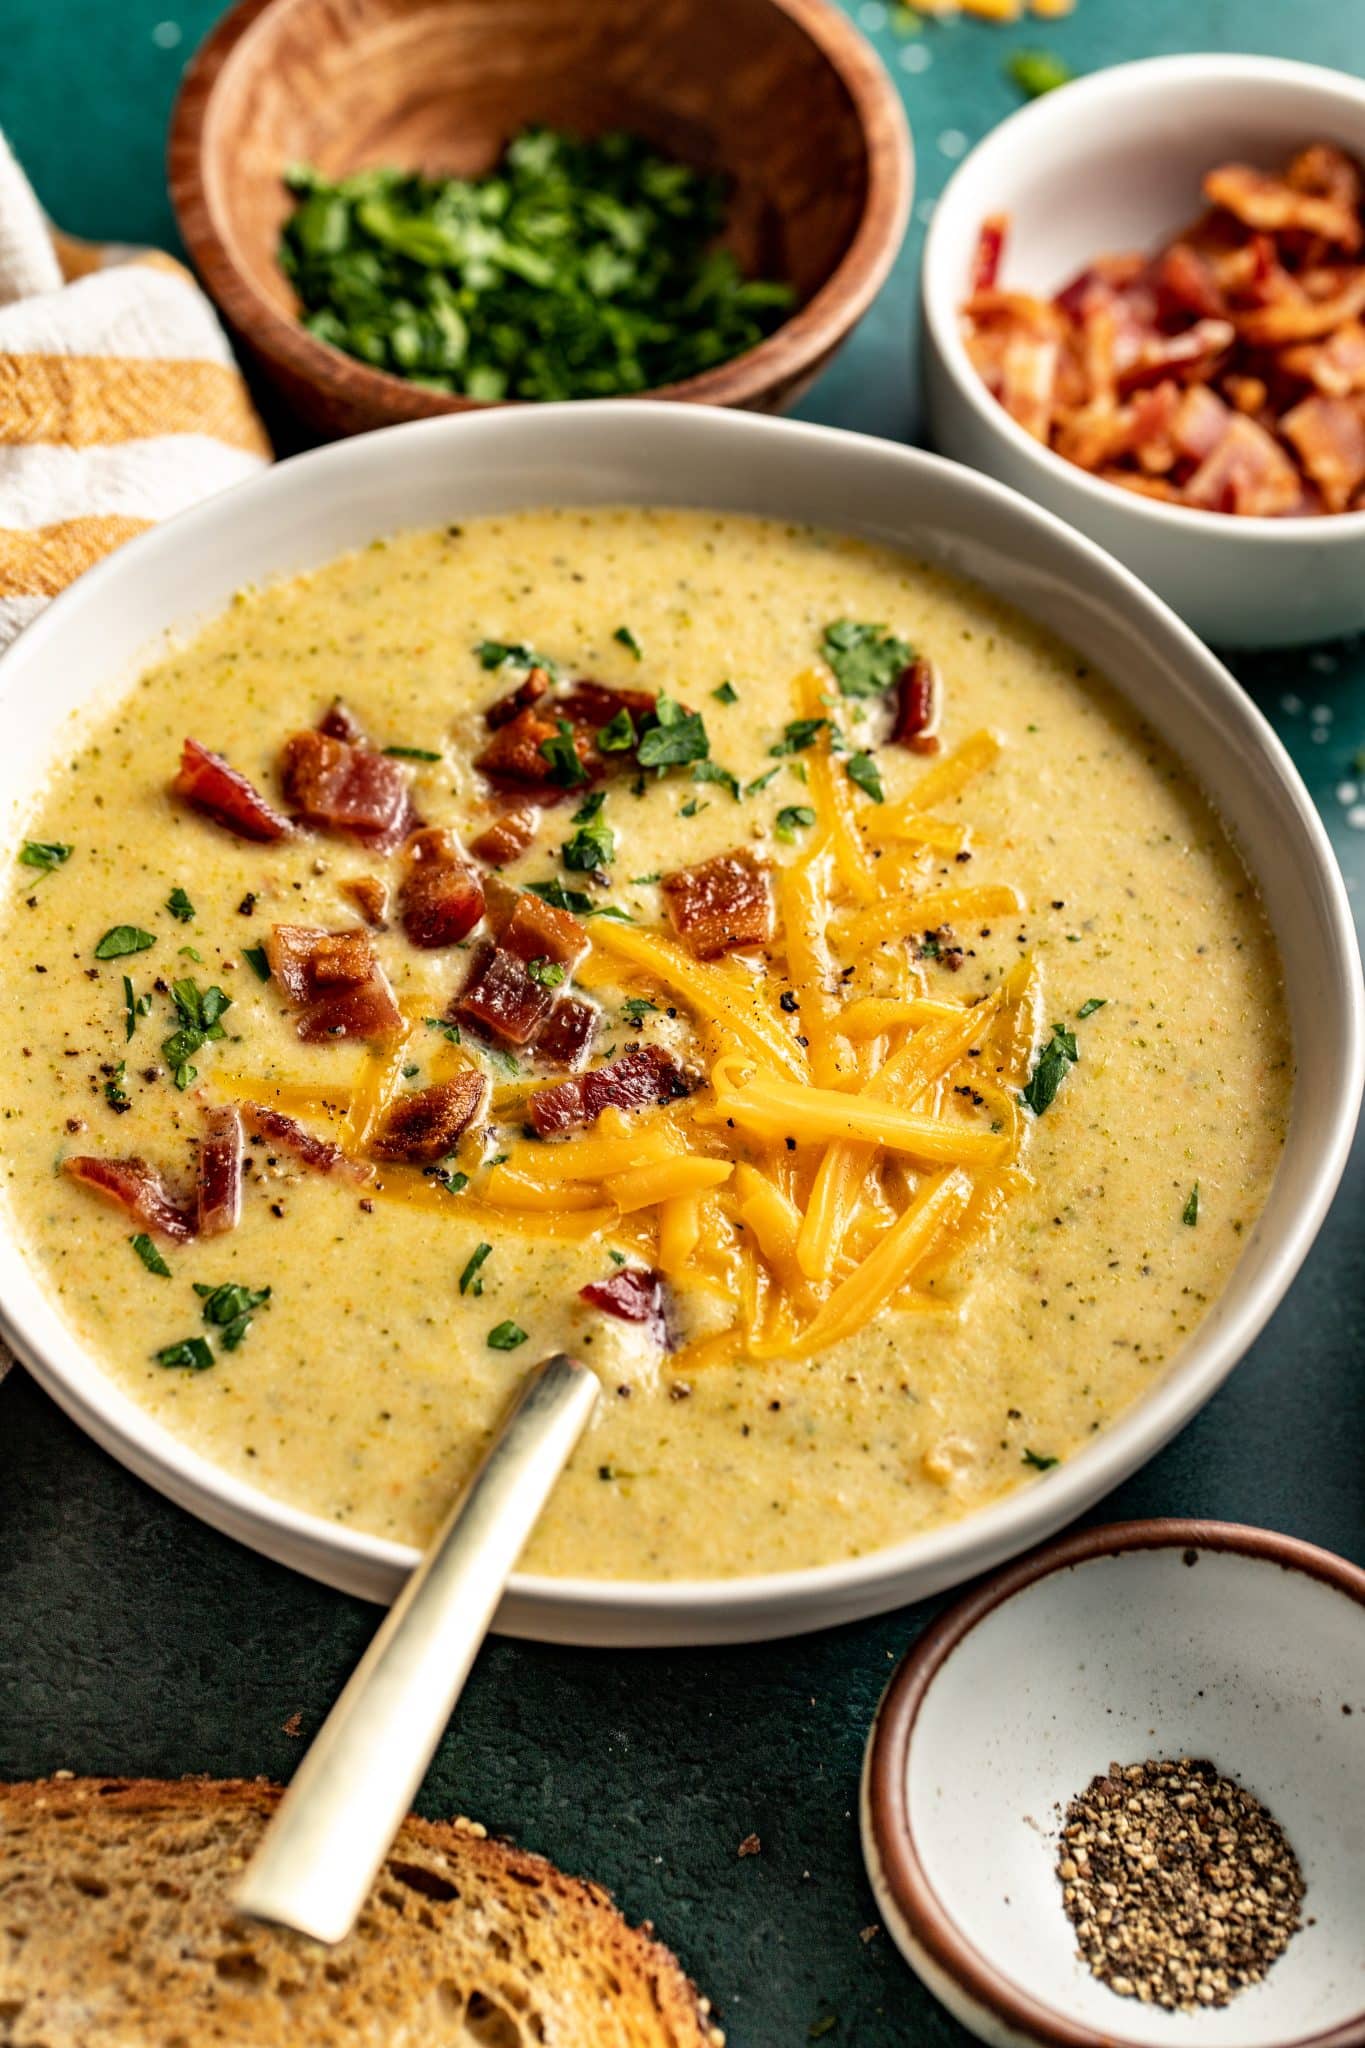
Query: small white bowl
x: 1115, y: 162
x: 1146, y: 1639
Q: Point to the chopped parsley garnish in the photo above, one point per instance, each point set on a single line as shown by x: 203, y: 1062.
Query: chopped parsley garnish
x: 133, y: 1007
x: 797, y: 735
x: 179, y: 905
x: 453, y: 1183
x: 566, y: 770
x: 862, y: 769
x: 506, y: 1337
x: 1090, y: 1005
x: 1037, y: 71
x: 545, y: 972
x: 121, y: 939
x: 200, y: 1011
x: 592, y: 848
x: 866, y: 660
x: 617, y: 736
x: 644, y: 881
x: 711, y: 771
x: 793, y: 818
x: 193, y: 1355
x: 44, y: 854
x: 506, y: 1062
x: 628, y: 640
x: 678, y: 737
x: 494, y: 653
x: 149, y: 1255
x: 1190, y: 1213
x: 761, y: 781
x: 257, y: 961
x: 1055, y: 1060
x: 575, y: 900
x: 229, y: 1309
x: 115, y: 1094
x: 1038, y: 1461
x: 636, y: 1008
x: 471, y: 1280
x: 691, y: 807
x: 414, y: 753
x: 576, y: 267
x: 725, y: 693
x: 446, y: 1028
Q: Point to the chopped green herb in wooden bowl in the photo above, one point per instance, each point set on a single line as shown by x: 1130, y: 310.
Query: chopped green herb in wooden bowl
x: 586, y: 202
x: 576, y: 269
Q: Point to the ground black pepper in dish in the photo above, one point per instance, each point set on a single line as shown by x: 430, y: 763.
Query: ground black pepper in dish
x: 1182, y: 1888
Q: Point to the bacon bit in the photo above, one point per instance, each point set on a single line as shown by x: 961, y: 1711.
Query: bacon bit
x: 633, y: 1295
x: 513, y: 757
x: 1336, y: 366
x: 1185, y: 282
x: 1329, y: 437
x: 440, y: 898
x: 509, y: 835
x: 535, y: 930
x: 212, y: 785
x: 1199, y: 423
x: 339, y: 722
x: 1177, y: 375
x: 318, y: 1153
x: 1308, y: 320
x: 136, y: 1187
x: 220, y: 1171
x: 1248, y: 472
x: 335, y: 980
x: 1192, y: 355
x: 720, y: 904
x: 638, y: 1080
x: 990, y: 250
x: 347, y: 788
x: 1250, y: 395
x: 425, y: 1127
x: 1274, y: 206
x: 919, y: 707
x: 504, y: 709
x: 1028, y: 382
x: 501, y: 997
x: 566, y: 1037
x: 371, y: 898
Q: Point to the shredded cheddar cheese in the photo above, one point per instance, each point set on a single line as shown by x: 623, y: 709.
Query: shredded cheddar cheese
x: 852, y: 1138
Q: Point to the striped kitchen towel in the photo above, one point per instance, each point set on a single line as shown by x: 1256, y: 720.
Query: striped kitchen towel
x: 119, y: 400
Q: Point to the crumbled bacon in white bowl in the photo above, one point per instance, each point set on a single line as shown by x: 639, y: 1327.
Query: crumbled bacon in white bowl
x: 1195, y: 402
x: 1225, y: 370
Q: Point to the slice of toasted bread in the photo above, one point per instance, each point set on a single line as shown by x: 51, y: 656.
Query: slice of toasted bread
x: 117, y: 1931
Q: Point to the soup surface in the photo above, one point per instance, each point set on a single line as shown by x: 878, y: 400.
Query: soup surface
x: 963, y: 1081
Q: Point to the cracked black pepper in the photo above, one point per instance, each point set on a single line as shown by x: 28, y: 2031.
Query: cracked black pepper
x: 1182, y: 1888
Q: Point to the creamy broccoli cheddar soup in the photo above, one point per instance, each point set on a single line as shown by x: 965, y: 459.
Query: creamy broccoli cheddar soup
x: 742, y: 956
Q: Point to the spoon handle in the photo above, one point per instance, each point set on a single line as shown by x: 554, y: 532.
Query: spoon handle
x: 332, y: 1829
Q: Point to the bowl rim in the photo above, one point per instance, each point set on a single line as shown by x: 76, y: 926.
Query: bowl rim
x: 888, y: 1828
x: 790, y: 1599
x: 940, y: 305
x: 798, y: 345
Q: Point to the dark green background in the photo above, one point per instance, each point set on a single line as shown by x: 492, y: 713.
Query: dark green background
x: 134, y: 1640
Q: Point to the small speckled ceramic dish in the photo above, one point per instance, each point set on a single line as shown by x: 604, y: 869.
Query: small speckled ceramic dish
x: 1145, y: 1639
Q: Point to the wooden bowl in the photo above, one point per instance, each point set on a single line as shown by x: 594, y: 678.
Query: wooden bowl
x: 781, y: 95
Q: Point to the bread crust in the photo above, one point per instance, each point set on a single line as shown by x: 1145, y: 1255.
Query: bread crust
x: 116, y: 1929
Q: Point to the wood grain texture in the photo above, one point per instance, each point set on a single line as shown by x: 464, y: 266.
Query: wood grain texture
x: 783, y: 96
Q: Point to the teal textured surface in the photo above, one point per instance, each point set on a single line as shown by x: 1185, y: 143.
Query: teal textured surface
x: 132, y: 1639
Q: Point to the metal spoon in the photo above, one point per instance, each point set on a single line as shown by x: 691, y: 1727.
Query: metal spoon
x: 331, y: 1831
